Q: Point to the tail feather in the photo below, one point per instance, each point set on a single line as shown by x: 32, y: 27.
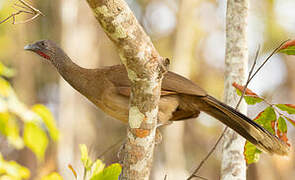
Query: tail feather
x: 246, y: 127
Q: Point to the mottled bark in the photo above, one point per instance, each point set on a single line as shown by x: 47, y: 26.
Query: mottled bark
x: 236, y: 59
x: 145, y: 70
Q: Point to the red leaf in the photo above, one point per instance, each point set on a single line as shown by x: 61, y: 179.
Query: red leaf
x: 278, y: 133
x: 283, y: 137
x: 287, y: 44
x: 291, y: 121
x: 288, y: 48
x: 291, y: 105
x: 247, y: 92
x: 258, y: 116
x: 273, y: 123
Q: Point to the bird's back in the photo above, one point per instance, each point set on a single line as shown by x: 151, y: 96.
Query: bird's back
x: 171, y: 82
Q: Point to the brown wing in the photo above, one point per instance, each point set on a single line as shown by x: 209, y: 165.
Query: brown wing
x: 126, y: 91
x: 171, y: 82
x: 172, y: 85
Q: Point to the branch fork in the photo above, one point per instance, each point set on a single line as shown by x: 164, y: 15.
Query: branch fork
x: 22, y: 7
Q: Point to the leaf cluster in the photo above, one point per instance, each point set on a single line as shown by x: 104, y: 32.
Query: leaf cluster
x: 273, y: 118
x: 36, y: 121
x: 96, y: 170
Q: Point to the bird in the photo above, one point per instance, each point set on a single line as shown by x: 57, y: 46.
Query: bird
x: 109, y: 89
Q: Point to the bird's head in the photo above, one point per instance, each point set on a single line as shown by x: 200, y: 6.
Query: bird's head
x: 44, y: 48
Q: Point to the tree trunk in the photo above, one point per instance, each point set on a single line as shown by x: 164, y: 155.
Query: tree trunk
x: 233, y: 164
x: 145, y: 71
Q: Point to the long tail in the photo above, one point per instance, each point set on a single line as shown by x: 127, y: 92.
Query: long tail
x: 247, y: 128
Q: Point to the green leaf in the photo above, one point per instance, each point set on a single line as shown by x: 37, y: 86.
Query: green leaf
x: 251, y: 100
x: 97, y: 167
x: 84, y: 157
x: 5, y: 88
x: 5, y: 71
x: 267, y: 118
x: 48, y: 120
x: 10, y: 129
x: 13, y: 169
x: 112, y: 172
x: 251, y: 153
x: 52, y: 176
x: 290, y: 108
x: 282, y: 126
x: 35, y: 139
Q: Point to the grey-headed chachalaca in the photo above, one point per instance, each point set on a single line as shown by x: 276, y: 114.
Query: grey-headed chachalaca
x: 109, y: 89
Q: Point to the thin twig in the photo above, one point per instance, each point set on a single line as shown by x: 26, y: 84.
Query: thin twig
x: 239, y: 102
x: 200, y: 177
x: 31, y: 7
x: 273, y: 52
x: 207, y: 156
x: 24, y: 10
x: 225, y: 129
x: 28, y: 20
x: 249, y: 76
x: 12, y: 15
x: 21, y: 6
x: 24, y: 7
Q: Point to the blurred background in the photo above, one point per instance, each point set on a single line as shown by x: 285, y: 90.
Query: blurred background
x: 190, y: 33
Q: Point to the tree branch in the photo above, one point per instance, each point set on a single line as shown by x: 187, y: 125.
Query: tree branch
x: 145, y: 69
x: 26, y: 8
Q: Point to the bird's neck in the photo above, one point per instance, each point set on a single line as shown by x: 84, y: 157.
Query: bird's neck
x: 75, y: 75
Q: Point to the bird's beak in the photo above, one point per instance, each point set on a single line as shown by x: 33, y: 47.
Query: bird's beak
x: 31, y: 47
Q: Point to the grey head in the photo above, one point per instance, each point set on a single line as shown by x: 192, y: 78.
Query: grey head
x: 44, y: 48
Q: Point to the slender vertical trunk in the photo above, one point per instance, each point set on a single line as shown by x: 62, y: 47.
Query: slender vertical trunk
x: 233, y: 165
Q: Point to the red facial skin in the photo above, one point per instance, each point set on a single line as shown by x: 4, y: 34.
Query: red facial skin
x: 43, y: 54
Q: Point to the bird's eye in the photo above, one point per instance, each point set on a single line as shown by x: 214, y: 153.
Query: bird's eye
x: 42, y: 43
